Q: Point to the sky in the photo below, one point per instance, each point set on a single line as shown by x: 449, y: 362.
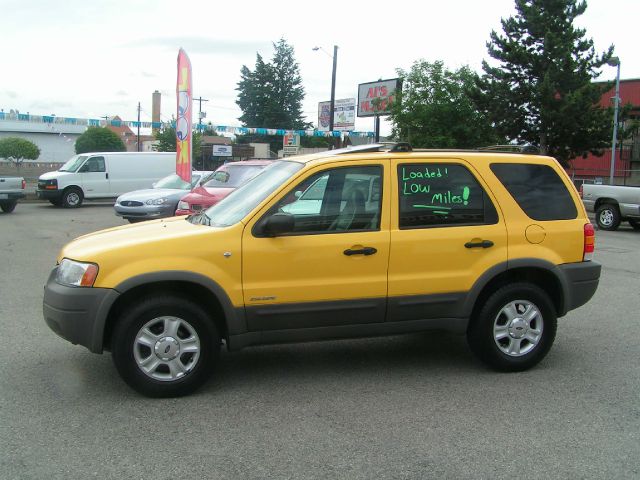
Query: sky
x: 88, y: 59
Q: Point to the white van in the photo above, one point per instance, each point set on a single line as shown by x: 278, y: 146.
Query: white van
x: 103, y: 175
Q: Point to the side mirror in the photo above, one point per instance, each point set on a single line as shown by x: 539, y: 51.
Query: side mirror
x: 278, y: 224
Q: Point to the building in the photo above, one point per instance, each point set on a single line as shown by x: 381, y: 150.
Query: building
x: 596, y: 168
x: 55, y: 137
x: 129, y: 137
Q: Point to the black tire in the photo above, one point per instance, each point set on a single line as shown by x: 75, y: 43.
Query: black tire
x: 635, y: 224
x: 8, y: 207
x: 608, y: 217
x: 483, y: 331
x: 135, y: 220
x: 72, y: 197
x: 127, y: 351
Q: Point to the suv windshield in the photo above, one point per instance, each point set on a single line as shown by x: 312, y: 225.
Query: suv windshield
x: 231, y: 176
x: 73, y: 163
x: 241, y: 201
x: 175, y: 181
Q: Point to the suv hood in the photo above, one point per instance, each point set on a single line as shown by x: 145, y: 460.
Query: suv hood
x: 130, y: 242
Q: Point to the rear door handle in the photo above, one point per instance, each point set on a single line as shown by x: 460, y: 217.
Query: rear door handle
x: 482, y: 244
x: 360, y: 251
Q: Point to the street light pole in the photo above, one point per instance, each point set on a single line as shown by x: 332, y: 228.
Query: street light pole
x: 332, y: 107
x: 333, y: 87
x: 615, y: 61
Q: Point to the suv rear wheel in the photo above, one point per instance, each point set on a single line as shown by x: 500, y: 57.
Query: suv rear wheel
x: 514, y: 329
x: 165, y: 346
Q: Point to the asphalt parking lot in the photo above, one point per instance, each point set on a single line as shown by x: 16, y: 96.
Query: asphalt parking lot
x: 415, y: 406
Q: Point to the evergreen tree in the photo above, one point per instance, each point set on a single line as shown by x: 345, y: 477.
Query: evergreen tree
x: 433, y: 110
x: 271, y: 95
x: 542, y: 93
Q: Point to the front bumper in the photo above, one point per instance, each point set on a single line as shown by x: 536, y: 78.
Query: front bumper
x: 146, y: 212
x: 580, y: 281
x: 49, y: 194
x: 77, y: 314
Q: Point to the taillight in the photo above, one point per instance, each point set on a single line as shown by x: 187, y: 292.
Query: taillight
x: 589, y: 242
x: 24, y: 184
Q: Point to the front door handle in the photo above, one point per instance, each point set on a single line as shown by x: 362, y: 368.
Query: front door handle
x: 360, y: 251
x: 482, y: 244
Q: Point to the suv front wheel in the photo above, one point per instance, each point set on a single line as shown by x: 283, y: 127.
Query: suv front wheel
x: 165, y: 346
x: 514, y: 329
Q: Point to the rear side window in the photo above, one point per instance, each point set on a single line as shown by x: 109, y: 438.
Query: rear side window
x: 441, y: 195
x: 537, y: 189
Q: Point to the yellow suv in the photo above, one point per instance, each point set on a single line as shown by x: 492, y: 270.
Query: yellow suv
x: 376, y: 240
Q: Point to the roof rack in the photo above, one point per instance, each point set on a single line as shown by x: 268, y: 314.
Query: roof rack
x: 394, y: 147
x: 511, y: 149
x: 376, y: 147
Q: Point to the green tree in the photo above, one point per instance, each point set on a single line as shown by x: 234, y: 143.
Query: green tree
x: 99, y: 139
x: 434, y: 110
x: 17, y: 150
x: 542, y: 91
x: 271, y: 95
x: 166, y: 138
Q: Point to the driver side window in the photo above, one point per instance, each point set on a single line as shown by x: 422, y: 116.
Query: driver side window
x: 345, y: 199
x: 94, y: 164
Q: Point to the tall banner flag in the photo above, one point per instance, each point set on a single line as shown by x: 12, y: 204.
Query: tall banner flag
x: 183, y: 122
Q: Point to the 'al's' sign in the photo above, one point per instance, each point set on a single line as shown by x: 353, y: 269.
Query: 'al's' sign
x: 376, y: 98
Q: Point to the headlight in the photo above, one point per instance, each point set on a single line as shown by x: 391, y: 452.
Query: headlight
x: 183, y: 205
x: 156, y: 201
x: 76, y: 274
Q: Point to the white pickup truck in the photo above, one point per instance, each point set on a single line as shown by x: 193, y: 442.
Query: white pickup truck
x: 11, y: 190
x: 612, y: 204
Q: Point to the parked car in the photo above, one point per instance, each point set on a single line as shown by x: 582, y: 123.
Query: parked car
x: 493, y: 245
x: 224, y: 181
x: 103, y: 176
x: 612, y: 204
x: 11, y: 190
x: 158, y: 202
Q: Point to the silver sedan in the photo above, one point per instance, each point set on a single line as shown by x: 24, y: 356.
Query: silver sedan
x: 157, y: 202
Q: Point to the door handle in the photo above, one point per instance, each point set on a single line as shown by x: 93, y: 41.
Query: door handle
x: 482, y: 244
x: 106, y: 175
x: 360, y: 251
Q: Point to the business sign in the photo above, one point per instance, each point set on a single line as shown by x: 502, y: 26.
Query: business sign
x: 344, y: 115
x: 290, y: 144
x: 291, y: 140
x: 222, y: 151
x: 376, y: 98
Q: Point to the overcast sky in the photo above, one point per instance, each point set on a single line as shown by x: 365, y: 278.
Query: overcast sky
x: 80, y: 58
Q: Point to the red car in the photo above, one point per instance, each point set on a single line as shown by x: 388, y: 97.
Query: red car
x: 224, y: 181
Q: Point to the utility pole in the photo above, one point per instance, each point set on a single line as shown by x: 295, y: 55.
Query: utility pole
x: 200, y: 100
x: 138, y: 127
x: 106, y: 119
